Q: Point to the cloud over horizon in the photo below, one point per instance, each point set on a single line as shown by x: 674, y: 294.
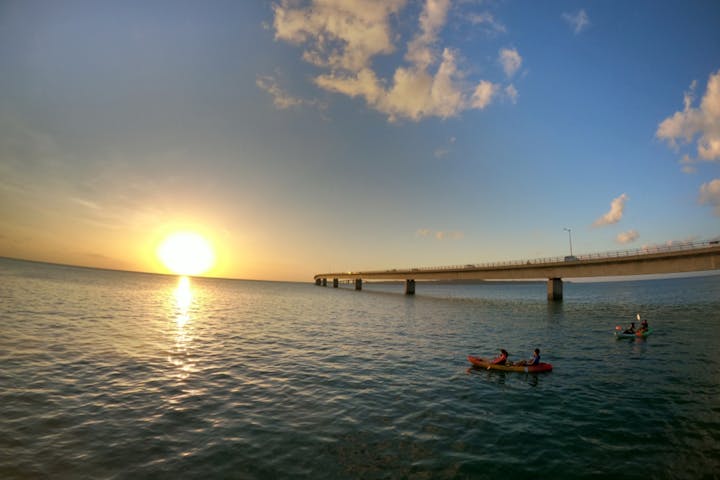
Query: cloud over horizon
x: 343, y: 37
x: 617, y: 207
x: 627, y: 237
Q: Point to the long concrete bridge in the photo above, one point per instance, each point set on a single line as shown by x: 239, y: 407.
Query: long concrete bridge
x: 686, y: 257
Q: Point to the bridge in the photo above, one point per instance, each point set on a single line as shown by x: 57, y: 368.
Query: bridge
x: 680, y: 258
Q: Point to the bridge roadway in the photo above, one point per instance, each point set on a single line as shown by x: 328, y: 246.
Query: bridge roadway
x: 686, y: 257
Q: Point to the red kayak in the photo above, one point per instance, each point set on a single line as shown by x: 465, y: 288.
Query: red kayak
x: 485, y: 363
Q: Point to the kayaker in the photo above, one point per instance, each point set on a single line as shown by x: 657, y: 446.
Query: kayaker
x: 643, y: 326
x: 631, y: 329
x: 533, y: 361
x: 502, y: 358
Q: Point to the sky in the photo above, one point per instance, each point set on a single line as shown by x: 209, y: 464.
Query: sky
x: 303, y: 137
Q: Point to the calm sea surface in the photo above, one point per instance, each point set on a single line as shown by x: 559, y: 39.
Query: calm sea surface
x: 123, y: 375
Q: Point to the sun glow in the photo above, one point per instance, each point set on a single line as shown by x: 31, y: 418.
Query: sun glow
x: 186, y: 253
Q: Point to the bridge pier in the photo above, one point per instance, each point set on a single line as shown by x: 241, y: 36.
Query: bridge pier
x: 554, y: 289
x: 409, y: 287
x: 318, y: 282
x: 335, y: 282
x: 324, y: 282
x: 358, y: 284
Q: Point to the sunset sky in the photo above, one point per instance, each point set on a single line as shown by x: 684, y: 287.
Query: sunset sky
x: 301, y: 137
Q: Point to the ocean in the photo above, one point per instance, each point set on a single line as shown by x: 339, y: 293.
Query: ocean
x: 117, y: 375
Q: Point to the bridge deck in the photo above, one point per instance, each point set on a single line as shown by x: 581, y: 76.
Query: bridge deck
x: 690, y: 257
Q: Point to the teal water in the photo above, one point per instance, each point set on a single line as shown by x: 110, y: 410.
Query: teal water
x: 122, y: 375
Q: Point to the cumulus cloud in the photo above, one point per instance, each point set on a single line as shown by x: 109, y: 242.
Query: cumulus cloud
x: 342, y: 37
x: 702, y: 122
x: 339, y: 34
x: 578, y: 21
x: 432, y: 20
x: 627, y: 237
x: 710, y: 195
x: 483, y: 94
x: 617, y: 207
x: 510, y: 60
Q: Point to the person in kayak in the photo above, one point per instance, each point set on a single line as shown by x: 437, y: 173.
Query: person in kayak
x: 631, y: 329
x: 501, y: 359
x: 643, y: 326
x: 533, y: 361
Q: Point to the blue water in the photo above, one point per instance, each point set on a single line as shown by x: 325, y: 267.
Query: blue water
x: 123, y: 375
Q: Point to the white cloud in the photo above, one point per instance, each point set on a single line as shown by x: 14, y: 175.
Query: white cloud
x: 578, y: 21
x: 488, y: 21
x: 432, y: 20
x: 510, y: 60
x: 511, y: 93
x: 710, y: 195
x: 281, y: 99
x: 338, y: 33
x: 617, y: 207
x: 342, y: 37
x: 483, y: 94
x: 627, y: 237
x: 701, y: 122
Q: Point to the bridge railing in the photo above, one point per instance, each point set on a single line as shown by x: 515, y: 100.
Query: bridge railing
x: 647, y: 250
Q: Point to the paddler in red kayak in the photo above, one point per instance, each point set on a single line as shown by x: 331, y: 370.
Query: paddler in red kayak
x: 533, y: 361
x: 501, y: 359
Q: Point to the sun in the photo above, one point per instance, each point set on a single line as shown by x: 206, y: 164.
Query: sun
x: 186, y: 253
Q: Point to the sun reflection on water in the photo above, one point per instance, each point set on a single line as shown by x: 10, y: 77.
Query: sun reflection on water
x: 181, y: 353
x: 183, y: 301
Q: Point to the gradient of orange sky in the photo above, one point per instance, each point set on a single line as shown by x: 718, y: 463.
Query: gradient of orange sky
x: 418, y: 134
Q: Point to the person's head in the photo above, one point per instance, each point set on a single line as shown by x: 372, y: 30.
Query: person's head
x: 537, y: 351
x: 503, y: 351
x: 632, y: 324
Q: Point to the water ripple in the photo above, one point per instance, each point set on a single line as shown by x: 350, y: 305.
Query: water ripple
x: 113, y: 375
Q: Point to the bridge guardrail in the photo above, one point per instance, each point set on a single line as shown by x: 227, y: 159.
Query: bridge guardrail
x: 647, y: 250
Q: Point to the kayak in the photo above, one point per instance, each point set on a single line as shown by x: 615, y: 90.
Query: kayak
x: 620, y: 335
x: 485, y: 363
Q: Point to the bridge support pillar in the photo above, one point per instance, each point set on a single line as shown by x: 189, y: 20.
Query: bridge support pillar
x: 409, y: 287
x: 358, y: 284
x: 324, y: 282
x: 554, y: 289
x: 335, y: 283
x: 318, y: 282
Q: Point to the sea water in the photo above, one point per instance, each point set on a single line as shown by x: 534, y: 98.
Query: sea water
x: 124, y: 375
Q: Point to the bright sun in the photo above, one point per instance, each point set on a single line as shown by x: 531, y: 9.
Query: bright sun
x: 186, y: 253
